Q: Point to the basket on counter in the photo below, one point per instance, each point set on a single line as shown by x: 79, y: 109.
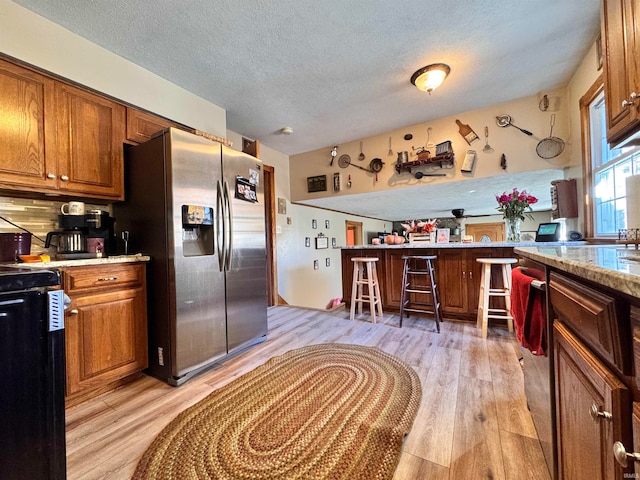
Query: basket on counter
x: 422, y: 237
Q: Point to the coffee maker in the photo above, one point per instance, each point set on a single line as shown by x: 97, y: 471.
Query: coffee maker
x: 84, y: 236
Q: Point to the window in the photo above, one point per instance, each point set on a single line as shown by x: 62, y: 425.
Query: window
x: 609, y: 169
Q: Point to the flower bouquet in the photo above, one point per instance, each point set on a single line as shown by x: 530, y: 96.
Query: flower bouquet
x: 514, y: 206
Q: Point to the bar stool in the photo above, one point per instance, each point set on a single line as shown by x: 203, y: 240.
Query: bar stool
x: 486, y: 291
x: 412, y: 271
x: 365, y: 287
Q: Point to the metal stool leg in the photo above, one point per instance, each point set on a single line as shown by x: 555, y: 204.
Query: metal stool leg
x: 434, y: 294
x: 403, y: 295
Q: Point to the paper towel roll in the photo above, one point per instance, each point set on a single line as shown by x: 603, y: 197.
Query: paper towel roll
x: 633, y: 201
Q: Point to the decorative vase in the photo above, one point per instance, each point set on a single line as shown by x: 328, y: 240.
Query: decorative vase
x: 513, y: 229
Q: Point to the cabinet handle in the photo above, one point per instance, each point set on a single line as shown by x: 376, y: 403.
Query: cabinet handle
x: 107, y: 279
x: 628, y: 103
x: 596, y: 414
x: 471, y: 275
x: 64, y: 178
x: 621, y: 455
x: 73, y: 311
x: 464, y: 275
x: 51, y: 175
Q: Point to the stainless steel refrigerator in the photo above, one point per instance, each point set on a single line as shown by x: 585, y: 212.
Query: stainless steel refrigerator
x: 197, y: 208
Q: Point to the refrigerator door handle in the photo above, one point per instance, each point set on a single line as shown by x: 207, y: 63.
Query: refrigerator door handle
x: 220, y: 227
x: 229, y: 212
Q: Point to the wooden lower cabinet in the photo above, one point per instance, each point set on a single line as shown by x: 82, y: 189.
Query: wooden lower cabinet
x: 106, y: 328
x: 592, y: 411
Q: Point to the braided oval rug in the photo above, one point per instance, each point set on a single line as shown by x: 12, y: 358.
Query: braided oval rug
x: 328, y: 411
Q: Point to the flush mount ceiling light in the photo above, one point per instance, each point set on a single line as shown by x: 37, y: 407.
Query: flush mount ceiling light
x: 286, y: 130
x: 430, y: 77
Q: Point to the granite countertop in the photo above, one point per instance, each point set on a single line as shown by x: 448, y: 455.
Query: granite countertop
x: 461, y: 245
x: 613, y: 266
x: 85, y: 261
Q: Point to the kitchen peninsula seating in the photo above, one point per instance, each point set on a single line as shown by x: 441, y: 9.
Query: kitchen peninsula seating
x: 486, y: 292
x: 416, y: 267
x: 365, y: 287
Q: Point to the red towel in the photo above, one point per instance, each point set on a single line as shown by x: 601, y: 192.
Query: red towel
x: 528, y: 309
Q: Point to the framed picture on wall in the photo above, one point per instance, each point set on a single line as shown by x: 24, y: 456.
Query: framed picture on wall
x: 322, y: 242
x: 314, y: 223
x: 326, y: 224
x: 307, y: 241
x: 334, y: 243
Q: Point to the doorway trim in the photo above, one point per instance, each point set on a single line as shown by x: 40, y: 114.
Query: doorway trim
x: 270, y: 234
x: 356, y: 228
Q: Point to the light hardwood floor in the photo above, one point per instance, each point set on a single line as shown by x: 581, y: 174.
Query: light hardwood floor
x: 473, y: 420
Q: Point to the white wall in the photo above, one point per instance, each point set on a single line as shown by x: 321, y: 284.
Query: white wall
x: 33, y: 39
x: 519, y: 149
x: 298, y: 283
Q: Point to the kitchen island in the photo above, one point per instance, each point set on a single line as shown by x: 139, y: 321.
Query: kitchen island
x: 457, y: 271
x: 594, y: 313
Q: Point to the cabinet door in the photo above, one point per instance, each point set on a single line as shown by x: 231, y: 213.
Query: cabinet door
x: 474, y: 272
x: 583, y: 383
x: 91, y: 132
x: 394, y: 266
x: 619, y: 20
x: 452, y: 275
x: 142, y: 125
x: 106, y: 338
x: 27, y: 142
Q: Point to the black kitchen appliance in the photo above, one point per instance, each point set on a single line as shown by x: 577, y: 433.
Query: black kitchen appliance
x: 548, y: 232
x: 84, y: 236
x: 32, y: 424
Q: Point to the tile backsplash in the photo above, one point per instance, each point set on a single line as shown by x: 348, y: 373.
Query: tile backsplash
x: 36, y: 216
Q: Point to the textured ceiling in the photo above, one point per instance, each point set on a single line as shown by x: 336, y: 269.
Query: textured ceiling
x: 337, y: 70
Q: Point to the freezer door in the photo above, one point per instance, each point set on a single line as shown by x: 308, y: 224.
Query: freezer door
x: 200, y: 329
x: 246, y: 274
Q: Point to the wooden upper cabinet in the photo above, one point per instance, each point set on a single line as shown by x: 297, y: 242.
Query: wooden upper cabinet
x: 620, y: 37
x: 142, y: 125
x: 90, y: 134
x: 57, y: 138
x: 27, y: 141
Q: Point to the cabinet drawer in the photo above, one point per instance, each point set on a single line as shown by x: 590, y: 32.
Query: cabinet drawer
x: 600, y: 320
x: 81, y: 279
